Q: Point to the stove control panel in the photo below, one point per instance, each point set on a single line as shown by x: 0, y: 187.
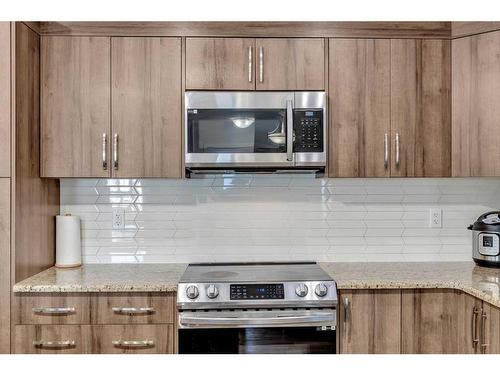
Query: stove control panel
x: 256, y: 291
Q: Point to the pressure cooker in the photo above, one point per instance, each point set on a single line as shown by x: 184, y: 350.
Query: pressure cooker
x: 486, y: 239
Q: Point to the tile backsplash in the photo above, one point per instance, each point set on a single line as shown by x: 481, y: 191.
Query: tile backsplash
x: 277, y: 217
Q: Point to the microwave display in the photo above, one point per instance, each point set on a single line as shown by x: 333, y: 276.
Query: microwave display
x: 308, y: 130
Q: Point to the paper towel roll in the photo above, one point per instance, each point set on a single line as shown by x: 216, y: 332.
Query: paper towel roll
x: 68, y: 242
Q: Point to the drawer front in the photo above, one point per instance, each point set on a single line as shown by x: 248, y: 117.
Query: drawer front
x: 133, y: 339
x: 52, y: 339
x: 67, y: 308
x: 132, y: 308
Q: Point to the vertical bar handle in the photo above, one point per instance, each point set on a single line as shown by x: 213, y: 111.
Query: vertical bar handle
x: 261, y: 64
x: 115, y: 151
x: 289, y: 130
x: 347, y: 315
x: 104, y: 149
x: 386, y: 150
x: 475, y: 338
x: 250, y: 64
x: 397, y: 150
x: 484, y: 340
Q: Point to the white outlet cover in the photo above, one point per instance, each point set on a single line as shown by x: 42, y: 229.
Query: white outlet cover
x: 435, y: 218
x: 118, y: 218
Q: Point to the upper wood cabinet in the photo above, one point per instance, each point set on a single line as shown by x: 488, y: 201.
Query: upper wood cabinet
x: 248, y: 64
x: 146, y: 106
x: 95, y: 124
x: 370, y: 321
x: 359, y: 109
x: 220, y: 64
x: 75, y: 106
x: 290, y: 64
x: 475, y: 98
x: 389, y: 108
x: 420, y: 108
x: 5, y: 103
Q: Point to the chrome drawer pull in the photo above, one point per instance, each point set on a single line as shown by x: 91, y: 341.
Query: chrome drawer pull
x: 104, y: 148
x: 115, y: 152
x: 133, y: 343
x: 58, y: 344
x: 475, y: 338
x: 133, y: 310
x: 484, y: 340
x: 54, y: 310
x: 261, y: 64
x: 386, y: 150
x: 397, y: 150
x: 250, y: 64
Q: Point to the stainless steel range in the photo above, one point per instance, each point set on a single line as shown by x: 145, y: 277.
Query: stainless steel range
x: 257, y: 308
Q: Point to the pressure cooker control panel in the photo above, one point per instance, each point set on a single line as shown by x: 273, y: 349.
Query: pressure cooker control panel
x: 489, y: 244
x: 308, y: 130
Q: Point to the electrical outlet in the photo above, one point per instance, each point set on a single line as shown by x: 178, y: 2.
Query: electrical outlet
x: 118, y: 218
x: 435, y: 218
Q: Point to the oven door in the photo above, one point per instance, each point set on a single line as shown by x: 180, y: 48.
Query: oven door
x: 239, y: 129
x: 258, y: 332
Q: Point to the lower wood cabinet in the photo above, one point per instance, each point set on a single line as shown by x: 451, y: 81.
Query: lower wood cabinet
x: 370, y: 321
x: 94, y: 339
x: 489, y: 329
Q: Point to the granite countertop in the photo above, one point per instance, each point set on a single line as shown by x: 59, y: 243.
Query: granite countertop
x: 483, y: 283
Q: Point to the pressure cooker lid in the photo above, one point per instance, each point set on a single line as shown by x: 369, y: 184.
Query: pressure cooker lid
x: 490, y: 221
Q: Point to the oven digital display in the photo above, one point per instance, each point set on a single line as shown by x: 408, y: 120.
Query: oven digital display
x: 256, y: 291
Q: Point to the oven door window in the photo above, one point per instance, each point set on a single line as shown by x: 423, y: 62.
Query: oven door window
x: 219, y: 131
x: 296, y: 340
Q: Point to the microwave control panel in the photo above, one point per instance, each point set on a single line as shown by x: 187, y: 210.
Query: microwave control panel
x: 308, y: 130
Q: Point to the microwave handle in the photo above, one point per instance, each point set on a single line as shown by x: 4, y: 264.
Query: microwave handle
x: 289, y: 130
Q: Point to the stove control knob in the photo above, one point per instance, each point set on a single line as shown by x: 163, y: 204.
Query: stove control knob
x: 192, y: 292
x: 212, y: 291
x: 321, y: 290
x: 301, y: 290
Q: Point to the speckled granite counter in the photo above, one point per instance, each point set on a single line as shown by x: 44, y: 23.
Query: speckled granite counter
x: 480, y: 282
x: 161, y: 277
x: 483, y: 283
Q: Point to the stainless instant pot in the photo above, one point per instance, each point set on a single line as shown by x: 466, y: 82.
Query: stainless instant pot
x: 486, y: 239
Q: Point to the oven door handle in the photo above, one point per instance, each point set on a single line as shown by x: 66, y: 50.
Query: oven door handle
x: 257, y: 319
x: 289, y: 130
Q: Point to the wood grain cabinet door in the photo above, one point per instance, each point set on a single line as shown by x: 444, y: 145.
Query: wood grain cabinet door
x: 370, y: 322
x: 146, y: 107
x: 220, y: 64
x: 52, y: 339
x: 5, y: 102
x: 420, y: 108
x: 290, y: 64
x: 359, y: 110
x: 489, y: 329
x: 438, y: 321
x: 75, y: 106
x: 475, y: 98
x: 5, y: 268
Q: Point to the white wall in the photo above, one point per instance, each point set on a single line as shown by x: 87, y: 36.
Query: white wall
x: 284, y: 217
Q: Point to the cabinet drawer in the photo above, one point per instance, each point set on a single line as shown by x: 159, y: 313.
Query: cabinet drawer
x: 133, y: 339
x: 68, y: 308
x: 52, y: 339
x: 130, y: 308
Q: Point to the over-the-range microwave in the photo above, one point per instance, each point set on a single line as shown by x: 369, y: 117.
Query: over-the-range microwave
x: 261, y: 131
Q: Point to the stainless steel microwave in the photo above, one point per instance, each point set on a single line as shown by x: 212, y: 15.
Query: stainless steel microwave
x: 255, y: 130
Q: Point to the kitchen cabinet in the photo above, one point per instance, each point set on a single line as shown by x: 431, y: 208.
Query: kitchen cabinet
x: 5, y: 103
x: 5, y: 229
x: 436, y: 321
x: 420, y: 108
x: 475, y: 97
x: 489, y: 329
x: 75, y: 106
x: 389, y: 108
x: 52, y: 339
x: 359, y: 110
x: 290, y: 64
x: 370, y: 321
x: 220, y: 64
x: 146, y: 107
x: 249, y: 64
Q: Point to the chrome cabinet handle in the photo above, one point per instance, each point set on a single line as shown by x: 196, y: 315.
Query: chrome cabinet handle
x: 386, y: 150
x: 104, y: 147
x: 115, y: 151
x: 346, y: 310
x: 54, y: 310
x: 133, y: 310
x: 250, y: 64
x: 484, y: 343
x: 397, y: 150
x: 289, y: 130
x: 57, y: 344
x: 133, y: 343
x: 261, y: 64
x: 475, y: 338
